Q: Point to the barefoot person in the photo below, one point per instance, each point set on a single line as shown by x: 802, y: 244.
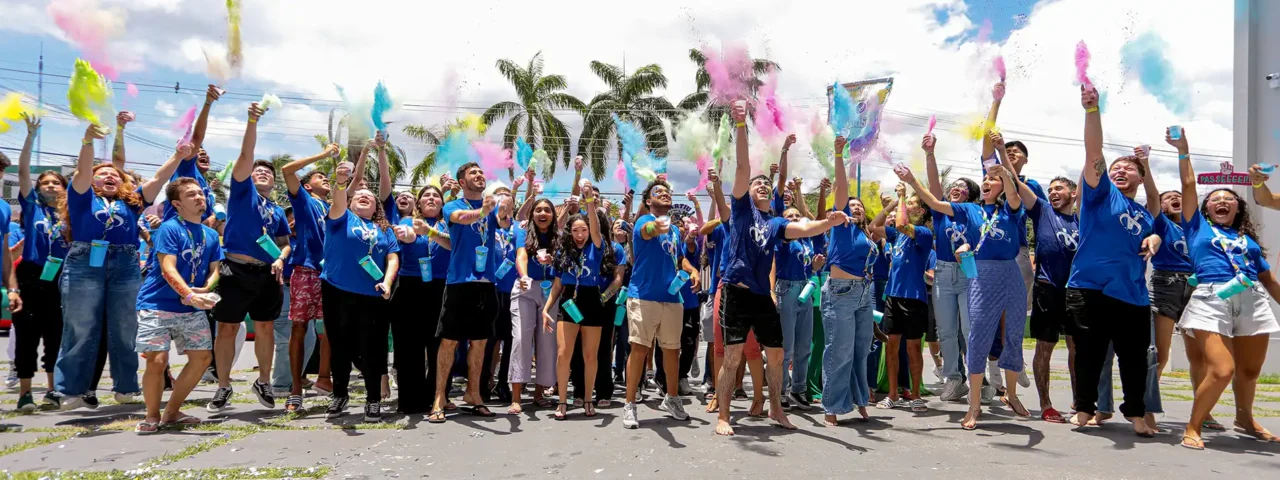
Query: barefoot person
x: 1107, y: 289
x: 171, y: 304
x: 754, y: 234
x: 1057, y: 230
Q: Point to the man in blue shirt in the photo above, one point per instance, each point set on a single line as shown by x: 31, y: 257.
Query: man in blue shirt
x: 1107, y: 290
x: 1057, y: 235
x: 470, y: 296
x: 754, y: 233
x: 172, y: 301
x: 257, y: 245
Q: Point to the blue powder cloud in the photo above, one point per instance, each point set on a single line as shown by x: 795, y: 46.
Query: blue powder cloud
x: 1145, y: 56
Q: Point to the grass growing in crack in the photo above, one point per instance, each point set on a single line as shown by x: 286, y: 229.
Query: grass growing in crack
x: 1030, y: 344
x: 198, y: 448
x: 45, y: 440
x: 184, y: 474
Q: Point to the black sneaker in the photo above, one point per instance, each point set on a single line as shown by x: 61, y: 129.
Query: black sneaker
x: 739, y: 394
x: 502, y: 393
x: 220, y: 400
x: 799, y: 401
x: 786, y: 402
x: 52, y: 398
x: 337, y: 407
x: 90, y: 400
x: 263, y: 392
x: 372, y: 413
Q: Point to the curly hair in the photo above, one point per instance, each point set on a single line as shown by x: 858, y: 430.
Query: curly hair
x: 1243, y: 222
x: 567, y: 252
x: 126, y: 191
x: 379, y: 216
x: 531, y: 243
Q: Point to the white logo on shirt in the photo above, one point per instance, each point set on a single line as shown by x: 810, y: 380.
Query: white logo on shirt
x: 1239, y: 246
x: 365, y: 233
x: 267, y: 213
x: 759, y: 233
x: 1180, y: 246
x: 1069, y: 240
x: 108, y: 216
x: 194, y: 256
x: 1131, y: 221
x: 955, y: 232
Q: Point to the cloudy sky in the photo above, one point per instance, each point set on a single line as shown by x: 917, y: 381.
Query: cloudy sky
x: 1159, y: 63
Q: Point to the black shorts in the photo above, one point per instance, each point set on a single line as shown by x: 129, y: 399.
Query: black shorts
x: 905, y: 316
x: 1049, y: 317
x: 742, y: 311
x: 931, y: 333
x: 588, y: 302
x: 470, y: 311
x: 1170, y: 293
x: 247, y: 289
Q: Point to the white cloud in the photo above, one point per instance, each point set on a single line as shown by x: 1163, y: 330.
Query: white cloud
x: 168, y: 109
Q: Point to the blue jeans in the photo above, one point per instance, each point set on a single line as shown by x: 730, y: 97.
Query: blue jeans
x: 282, y: 329
x: 94, y: 298
x: 797, y: 333
x: 1152, y: 397
x: 951, y: 309
x: 847, y: 323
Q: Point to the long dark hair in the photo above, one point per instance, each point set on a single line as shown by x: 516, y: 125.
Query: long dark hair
x: 568, y: 253
x: 417, y: 211
x: 1243, y: 222
x: 608, y: 261
x: 531, y: 242
x: 975, y: 190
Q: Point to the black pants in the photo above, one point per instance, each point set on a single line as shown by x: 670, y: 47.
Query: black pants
x: 415, y: 312
x: 692, y: 324
x: 501, y: 333
x: 40, y: 320
x: 356, y: 323
x: 1102, y: 320
x: 604, y: 357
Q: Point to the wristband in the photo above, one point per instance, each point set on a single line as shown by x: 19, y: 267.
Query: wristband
x: 1184, y: 156
x: 1256, y: 185
x: 1090, y: 109
x: 188, y: 297
x: 87, y: 141
x: 253, y: 120
x: 649, y: 229
x: 740, y: 125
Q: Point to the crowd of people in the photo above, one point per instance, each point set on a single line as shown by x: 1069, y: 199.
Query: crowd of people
x: 530, y: 291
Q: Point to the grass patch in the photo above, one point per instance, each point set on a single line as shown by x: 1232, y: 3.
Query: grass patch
x: 1175, y: 396
x: 186, y: 474
x: 1177, y: 373
x: 45, y: 440
x: 196, y: 449
x: 1269, y: 379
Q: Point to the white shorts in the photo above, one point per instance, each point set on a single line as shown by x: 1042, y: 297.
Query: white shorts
x: 1246, y: 314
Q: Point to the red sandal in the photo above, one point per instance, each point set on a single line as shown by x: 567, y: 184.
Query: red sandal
x: 1052, y: 416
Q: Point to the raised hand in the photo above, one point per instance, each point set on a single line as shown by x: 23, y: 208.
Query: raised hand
x: 997, y: 91
x: 255, y: 112
x: 213, y: 94
x: 95, y: 132
x: 773, y: 169
x: 791, y: 140
x: 837, y: 217
x: 900, y: 190
x: 488, y: 204
x: 1180, y: 143
x: 1088, y: 97
x: 997, y: 138
x: 515, y: 184
x: 904, y: 174
x: 578, y: 164
x: 1256, y: 176
x: 332, y: 150
x: 929, y: 142
x: 1142, y: 154
x: 738, y: 112
x: 840, y: 144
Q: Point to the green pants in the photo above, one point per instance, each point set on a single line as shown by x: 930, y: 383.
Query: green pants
x: 815, y: 361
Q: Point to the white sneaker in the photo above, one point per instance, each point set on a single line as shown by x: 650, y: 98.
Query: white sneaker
x: 629, y: 419
x: 123, y: 398
x: 994, y: 376
x: 684, y: 387
x: 72, y: 402
x: 1023, y: 380
x: 954, y: 390
x: 674, y: 407
x: 937, y: 373
x: 12, y: 380
x: 988, y: 394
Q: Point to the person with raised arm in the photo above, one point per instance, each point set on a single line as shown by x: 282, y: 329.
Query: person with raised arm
x: 821, y: 244
x: 753, y: 234
x: 847, y: 319
x: 906, y: 312
x: 950, y: 285
x: 171, y: 304
x: 1229, y: 317
x: 101, y: 273
x: 535, y: 252
x: 415, y: 306
x: 1107, y: 289
x: 256, y: 240
x: 362, y: 261
x: 307, y: 196
x: 470, y: 299
x: 38, y: 317
x: 995, y: 289
x: 195, y: 166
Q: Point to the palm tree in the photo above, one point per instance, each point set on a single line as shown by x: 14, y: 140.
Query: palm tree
x: 701, y: 96
x: 432, y: 136
x: 533, y: 115
x: 631, y: 98
x: 280, y: 193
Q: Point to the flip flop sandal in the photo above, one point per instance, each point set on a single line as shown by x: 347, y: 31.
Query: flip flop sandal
x: 1023, y: 414
x: 436, y: 416
x: 146, y: 428
x: 1261, y: 436
x: 919, y: 405
x: 589, y: 410
x: 603, y: 403
x: 560, y: 415
x: 1213, y: 425
x: 478, y: 410
x: 975, y: 425
x: 1194, y: 443
x: 544, y: 402
x: 183, y: 421
x: 450, y: 406
x: 1052, y: 416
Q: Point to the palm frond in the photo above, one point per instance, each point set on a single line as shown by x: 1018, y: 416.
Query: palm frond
x: 498, y: 111
x: 611, y: 75
x: 428, y: 135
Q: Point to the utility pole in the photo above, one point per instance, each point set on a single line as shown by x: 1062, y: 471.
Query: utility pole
x: 40, y: 101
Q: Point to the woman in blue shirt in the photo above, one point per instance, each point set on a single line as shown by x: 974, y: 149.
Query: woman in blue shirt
x: 361, y: 263
x: 621, y: 346
x: 906, y: 311
x: 997, y: 294
x: 101, y: 273
x: 415, y: 308
x: 1229, y: 318
x: 534, y: 255
x: 794, y: 270
x: 580, y: 255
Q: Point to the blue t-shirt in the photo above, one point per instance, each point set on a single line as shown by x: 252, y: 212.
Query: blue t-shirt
x: 536, y: 271
x: 41, y: 229
x: 656, y: 261
x: 753, y: 236
x: 1173, y: 256
x: 1000, y: 243
x: 348, y: 239
x: 249, y: 216
x: 15, y: 233
x: 196, y: 247
x: 97, y: 218
x: 910, y: 260
x: 465, y: 238
x: 933, y: 260
x: 1215, y: 249
x: 189, y: 168
x: 715, y: 257
x: 821, y: 245
x: 1039, y: 193
x: 505, y: 248
x: 884, y: 257
x: 620, y: 260
x: 584, y: 269
x: 948, y: 235
x: 422, y: 247
x: 308, y: 220
x: 1112, y: 227
x: 794, y: 259
x: 1057, y: 236
x: 854, y: 252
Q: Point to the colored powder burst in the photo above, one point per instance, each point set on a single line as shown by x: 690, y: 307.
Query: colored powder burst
x: 269, y: 101
x: 540, y: 157
x: 11, y: 110
x: 823, y: 144
x: 524, y: 153
x: 933, y: 121
x: 844, y: 110
x: 694, y: 137
x: 235, y: 58
x: 89, y: 27
x: 89, y: 97
x: 493, y: 158
x: 730, y: 71
x: 1145, y: 54
x: 131, y: 89
x: 704, y: 166
x: 633, y: 149
x: 771, y: 120
x: 724, y: 146
x: 997, y: 64
x: 381, y: 104
x: 184, y: 124
x: 984, y: 31
x: 1082, y: 65
x: 976, y: 127
x: 455, y: 151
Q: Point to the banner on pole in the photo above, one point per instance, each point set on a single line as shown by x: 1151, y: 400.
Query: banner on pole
x: 869, y: 98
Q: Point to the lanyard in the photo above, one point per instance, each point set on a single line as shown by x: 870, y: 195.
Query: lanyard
x: 370, y: 233
x: 988, y: 224
x: 1222, y: 241
x: 577, y: 276
x: 873, y: 252
x: 431, y: 246
x: 265, y: 211
x: 197, y: 249
x: 110, y: 207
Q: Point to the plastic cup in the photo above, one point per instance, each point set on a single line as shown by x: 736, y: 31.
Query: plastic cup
x: 807, y: 292
x: 219, y: 212
x: 1267, y: 168
x: 268, y: 245
x: 546, y: 288
x: 1146, y: 150
x: 1175, y: 132
x: 968, y: 265
x: 570, y: 308
x: 213, y: 297
x: 424, y: 268
x: 504, y: 268
x: 619, y: 315
x: 371, y: 267
x: 879, y: 317
x: 98, y: 253
x: 1234, y: 287
x: 678, y: 282
x: 482, y: 258
x: 1193, y: 281
x: 991, y: 162
x: 51, y: 267
x: 665, y: 221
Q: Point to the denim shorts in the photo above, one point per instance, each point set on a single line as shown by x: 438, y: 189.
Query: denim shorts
x: 1169, y: 293
x: 189, y: 331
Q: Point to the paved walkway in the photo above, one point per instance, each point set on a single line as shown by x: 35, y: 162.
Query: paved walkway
x: 251, y: 442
